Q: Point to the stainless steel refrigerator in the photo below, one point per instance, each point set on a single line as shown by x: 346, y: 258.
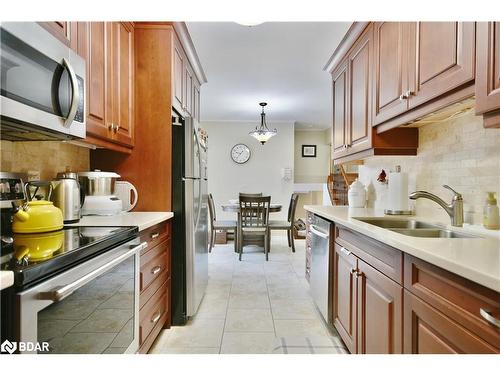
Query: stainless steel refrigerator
x: 190, y: 222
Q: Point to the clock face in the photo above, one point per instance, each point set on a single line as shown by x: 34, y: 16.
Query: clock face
x: 240, y: 153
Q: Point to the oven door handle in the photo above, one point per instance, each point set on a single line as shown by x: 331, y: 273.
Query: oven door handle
x: 62, y: 292
x: 75, y: 93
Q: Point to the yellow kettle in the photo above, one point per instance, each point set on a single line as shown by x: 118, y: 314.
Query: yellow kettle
x: 37, y: 216
x: 38, y: 246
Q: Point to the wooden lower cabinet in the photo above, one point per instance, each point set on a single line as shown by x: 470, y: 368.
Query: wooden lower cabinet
x: 380, y: 307
x: 344, y: 296
x: 155, y: 292
x: 387, y: 302
x: 427, y: 331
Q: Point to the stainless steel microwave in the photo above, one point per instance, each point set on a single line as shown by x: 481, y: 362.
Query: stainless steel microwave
x: 42, y: 84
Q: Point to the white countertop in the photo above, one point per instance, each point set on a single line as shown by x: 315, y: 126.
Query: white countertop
x: 143, y: 220
x: 6, y: 279
x: 476, y: 259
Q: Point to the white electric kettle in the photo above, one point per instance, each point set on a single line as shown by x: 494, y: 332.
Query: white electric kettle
x: 127, y: 193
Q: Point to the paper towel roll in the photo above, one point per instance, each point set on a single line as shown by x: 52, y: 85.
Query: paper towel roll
x: 398, y: 191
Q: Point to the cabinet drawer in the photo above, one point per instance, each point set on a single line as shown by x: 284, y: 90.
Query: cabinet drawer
x: 154, y: 312
x: 427, y: 331
x: 454, y: 296
x: 384, y: 258
x: 154, y: 264
x: 155, y: 235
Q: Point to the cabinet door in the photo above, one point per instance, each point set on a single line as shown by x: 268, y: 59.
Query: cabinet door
x: 359, y: 69
x: 390, y: 78
x: 196, y: 101
x: 178, y: 81
x: 340, y: 105
x: 189, y: 88
x: 93, y: 45
x: 441, y: 58
x: 488, y: 67
x: 427, y: 331
x: 380, y: 310
x: 122, y: 36
x: 66, y: 32
x: 344, y: 296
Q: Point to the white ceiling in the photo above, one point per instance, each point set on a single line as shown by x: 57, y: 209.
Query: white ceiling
x: 277, y: 62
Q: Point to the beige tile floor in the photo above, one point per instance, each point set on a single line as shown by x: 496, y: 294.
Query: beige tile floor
x: 254, y: 307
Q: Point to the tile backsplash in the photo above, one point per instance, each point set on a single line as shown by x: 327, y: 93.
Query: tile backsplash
x: 459, y: 152
x: 46, y: 157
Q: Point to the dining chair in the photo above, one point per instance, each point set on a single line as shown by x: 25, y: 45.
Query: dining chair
x: 253, y: 220
x: 287, y: 225
x: 250, y: 194
x: 220, y: 225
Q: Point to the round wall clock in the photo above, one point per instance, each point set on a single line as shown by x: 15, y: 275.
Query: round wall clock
x: 240, y: 153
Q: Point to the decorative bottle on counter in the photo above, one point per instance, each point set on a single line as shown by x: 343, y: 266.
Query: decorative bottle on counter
x: 491, y: 215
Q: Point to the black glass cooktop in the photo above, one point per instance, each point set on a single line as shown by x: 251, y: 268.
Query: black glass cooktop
x: 35, y: 257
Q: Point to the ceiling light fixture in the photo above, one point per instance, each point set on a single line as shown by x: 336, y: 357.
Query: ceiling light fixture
x: 263, y: 134
x: 249, y: 23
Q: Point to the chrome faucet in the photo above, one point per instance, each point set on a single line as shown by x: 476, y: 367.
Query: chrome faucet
x: 455, y: 209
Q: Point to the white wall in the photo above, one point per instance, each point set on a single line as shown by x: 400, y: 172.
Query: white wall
x: 262, y: 173
x: 312, y: 169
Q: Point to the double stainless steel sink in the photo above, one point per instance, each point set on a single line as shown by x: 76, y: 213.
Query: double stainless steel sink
x: 413, y: 228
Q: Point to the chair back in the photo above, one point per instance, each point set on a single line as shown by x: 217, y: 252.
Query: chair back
x: 254, y: 211
x: 250, y: 195
x: 211, y: 207
x: 291, y: 208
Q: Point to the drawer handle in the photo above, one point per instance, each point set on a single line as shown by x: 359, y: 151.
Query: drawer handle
x: 156, y: 317
x: 489, y: 318
x: 155, y: 235
x: 345, y: 251
x: 155, y: 270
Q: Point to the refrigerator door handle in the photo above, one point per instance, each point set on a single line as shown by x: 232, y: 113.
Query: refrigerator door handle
x: 200, y: 196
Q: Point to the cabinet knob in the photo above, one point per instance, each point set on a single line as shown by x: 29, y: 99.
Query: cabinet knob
x: 353, y: 271
x: 117, y: 127
x: 111, y: 126
x: 403, y: 97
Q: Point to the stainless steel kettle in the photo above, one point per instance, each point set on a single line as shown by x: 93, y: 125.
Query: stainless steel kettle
x: 68, y: 196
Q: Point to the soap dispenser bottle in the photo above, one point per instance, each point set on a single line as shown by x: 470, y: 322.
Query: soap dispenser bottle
x: 491, y: 219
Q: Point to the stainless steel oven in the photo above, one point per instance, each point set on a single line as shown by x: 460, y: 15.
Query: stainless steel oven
x: 91, y: 308
x: 42, y: 84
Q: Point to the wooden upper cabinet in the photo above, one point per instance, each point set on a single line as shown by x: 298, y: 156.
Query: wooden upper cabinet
x: 359, y: 116
x: 390, y: 77
x: 488, y: 70
x: 344, y: 296
x: 442, y: 58
x: 340, y: 104
x: 178, y: 81
x: 122, y: 45
x: 66, y: 32
x: 108, y: 49
x: 189, y: 90
x: 93, y: 45
x: 196, y: 101
x: 380, y: 312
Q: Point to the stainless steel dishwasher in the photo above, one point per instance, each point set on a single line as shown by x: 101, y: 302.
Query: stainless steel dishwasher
x: 320, y: 260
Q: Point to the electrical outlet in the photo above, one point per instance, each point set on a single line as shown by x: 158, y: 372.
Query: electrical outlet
x: 33, y: 175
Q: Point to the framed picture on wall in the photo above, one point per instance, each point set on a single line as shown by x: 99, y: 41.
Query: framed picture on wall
x: 308, y: 151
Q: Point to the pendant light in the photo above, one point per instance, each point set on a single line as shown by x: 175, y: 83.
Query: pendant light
x: 263, y: 134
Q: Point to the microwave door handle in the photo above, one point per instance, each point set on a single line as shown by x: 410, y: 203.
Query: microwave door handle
x: 75, y: 97
x: 65, y: 291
